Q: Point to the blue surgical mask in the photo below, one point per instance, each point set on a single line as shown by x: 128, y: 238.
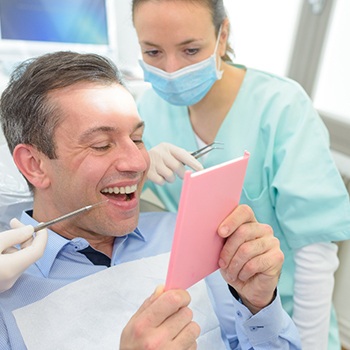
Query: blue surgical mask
x: 186, y: 86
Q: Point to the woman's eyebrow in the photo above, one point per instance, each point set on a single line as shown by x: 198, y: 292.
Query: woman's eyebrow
x: 189, y: 41
x: 185, y: 42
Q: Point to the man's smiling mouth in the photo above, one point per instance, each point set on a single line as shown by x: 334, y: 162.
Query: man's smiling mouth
x: 120, y: 193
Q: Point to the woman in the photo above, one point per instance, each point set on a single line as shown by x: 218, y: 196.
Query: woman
x: 292, y: 183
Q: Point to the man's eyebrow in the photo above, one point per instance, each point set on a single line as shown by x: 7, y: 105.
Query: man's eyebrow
x: 140, y: 125
x: 105, y: 129
x: 85, y: 136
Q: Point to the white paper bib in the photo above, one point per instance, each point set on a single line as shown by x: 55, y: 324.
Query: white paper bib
x: 92, y: 312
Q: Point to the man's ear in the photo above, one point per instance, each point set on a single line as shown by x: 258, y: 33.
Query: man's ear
x: 30, y: 163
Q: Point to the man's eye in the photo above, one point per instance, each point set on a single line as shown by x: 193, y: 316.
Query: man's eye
x: 101, y: 148
x: 138, y: 141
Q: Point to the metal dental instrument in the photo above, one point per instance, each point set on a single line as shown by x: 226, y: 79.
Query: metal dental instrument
x: 66, y: 216
x: 204, y: 150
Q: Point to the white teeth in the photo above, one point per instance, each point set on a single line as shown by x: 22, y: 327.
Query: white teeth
x: 122, y: 190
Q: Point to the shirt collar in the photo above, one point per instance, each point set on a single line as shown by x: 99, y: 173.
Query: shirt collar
x: 56, y: 243
x: 137, y: 234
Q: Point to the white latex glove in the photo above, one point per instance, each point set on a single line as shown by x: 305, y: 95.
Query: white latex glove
x: 168, y: 160
x: 14, y: 261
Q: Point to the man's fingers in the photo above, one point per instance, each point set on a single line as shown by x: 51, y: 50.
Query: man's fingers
x: 265, y: 264
x: 186, y: 339
x: 158, y: 291
x: 177, y: 321
x: 242, y: 214
x: 167, y: 304
x: 163, y: 321
x: 238, y: 254
x: 163, y: 304
x: 250, y: 231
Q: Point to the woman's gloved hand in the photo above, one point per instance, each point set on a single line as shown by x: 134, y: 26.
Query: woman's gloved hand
x: 168, y: 160
x: 14, y: 261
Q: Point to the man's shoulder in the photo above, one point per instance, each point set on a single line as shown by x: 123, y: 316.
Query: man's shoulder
x: 28, y: 289
x: 153, y: 223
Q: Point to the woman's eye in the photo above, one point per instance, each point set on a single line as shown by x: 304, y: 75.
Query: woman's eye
x: 191, y: 51
x: 151, y: 53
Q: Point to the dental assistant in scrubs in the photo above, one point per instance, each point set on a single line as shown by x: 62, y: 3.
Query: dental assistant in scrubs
x: 198, y: 95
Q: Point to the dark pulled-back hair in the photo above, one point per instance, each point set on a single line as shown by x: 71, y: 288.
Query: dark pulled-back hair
x: 216, y: 8
x: 27, y: 116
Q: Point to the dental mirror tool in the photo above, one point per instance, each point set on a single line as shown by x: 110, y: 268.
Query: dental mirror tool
x: 67, y: 216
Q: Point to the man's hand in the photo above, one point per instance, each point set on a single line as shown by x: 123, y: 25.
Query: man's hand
x: 251, y: 260
x: 167, y: 161
x: 14, y: 261
x: 163, y: 321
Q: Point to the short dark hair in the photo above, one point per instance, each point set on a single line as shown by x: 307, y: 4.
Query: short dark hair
x: 26, y: 114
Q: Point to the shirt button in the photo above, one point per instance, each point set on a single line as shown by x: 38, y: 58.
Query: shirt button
x: 239, y: 314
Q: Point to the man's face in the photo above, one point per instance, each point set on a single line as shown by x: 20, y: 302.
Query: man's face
x: 100, y: 155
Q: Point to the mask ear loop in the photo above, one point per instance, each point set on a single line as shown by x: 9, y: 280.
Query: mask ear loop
x: 219, y: 72
x: 218, y: 39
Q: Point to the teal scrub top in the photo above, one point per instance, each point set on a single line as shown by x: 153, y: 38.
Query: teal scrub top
x: 292, y: 182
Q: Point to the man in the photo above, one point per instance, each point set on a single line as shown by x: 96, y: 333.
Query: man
x: 76, y: 136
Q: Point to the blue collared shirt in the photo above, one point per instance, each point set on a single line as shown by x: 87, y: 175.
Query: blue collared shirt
x: 62, y: 263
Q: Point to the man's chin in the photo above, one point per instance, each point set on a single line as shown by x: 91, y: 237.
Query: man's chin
x: 124, y: 227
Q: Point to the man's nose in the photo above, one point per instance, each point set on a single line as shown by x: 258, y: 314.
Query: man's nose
x: 130, y: 157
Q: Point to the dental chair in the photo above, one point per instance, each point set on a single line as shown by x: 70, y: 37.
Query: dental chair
x: 15, y: 195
